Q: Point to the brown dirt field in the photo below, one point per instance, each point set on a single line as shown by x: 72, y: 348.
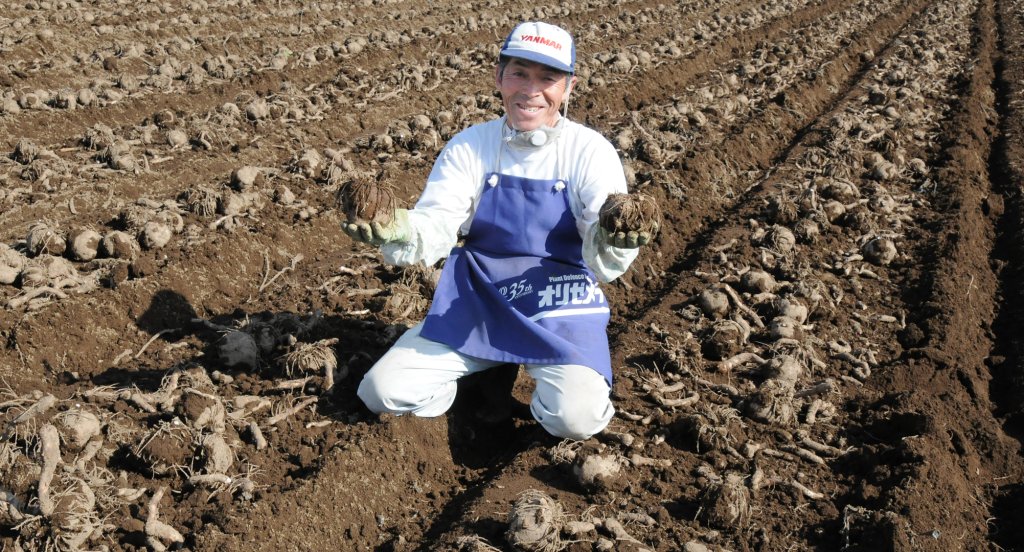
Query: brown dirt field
x: 849, y: 177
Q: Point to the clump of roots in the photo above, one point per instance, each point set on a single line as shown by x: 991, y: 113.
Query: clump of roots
x: 535, y: 522
x: 368, y: 198
x: 311, y: 357
x: 200, y: 200
x: 726, y: 504
x: 399, y: 302
x: 635, y: 212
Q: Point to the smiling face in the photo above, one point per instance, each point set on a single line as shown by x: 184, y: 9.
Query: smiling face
x: 532, y: 93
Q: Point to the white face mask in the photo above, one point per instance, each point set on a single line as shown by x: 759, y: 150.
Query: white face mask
x: 535, y: 138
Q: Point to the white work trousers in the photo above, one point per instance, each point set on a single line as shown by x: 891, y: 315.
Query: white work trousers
x: 419, y: 376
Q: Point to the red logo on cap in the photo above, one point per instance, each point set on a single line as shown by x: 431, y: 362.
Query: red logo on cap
x: 541, y: 40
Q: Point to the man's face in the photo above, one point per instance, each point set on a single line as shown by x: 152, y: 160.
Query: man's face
x: 532, y: 93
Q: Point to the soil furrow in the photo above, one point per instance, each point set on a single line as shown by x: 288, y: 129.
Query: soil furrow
x: 714, y: 173
x: 1006, y: 386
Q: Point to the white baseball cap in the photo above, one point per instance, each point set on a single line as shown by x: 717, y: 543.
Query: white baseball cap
x: 543, y: 43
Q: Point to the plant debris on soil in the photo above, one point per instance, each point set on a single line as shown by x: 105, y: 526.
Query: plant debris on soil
x: 820, y: 350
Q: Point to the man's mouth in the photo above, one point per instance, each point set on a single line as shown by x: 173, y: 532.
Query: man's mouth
x: 528, y: 109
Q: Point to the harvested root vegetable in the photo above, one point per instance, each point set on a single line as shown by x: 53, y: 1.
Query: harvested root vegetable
x: 47, y: 270
x: 597, y: 470
x: 11, y: 264
x: 25, y: 151
x: 725, y: 340
x: 77, y: 427
x: 806, y: 231
x: 364, y: 198
x: 43, y: 239
x: 782, y: 210
x: 833, y: 210
x: 176, y: 138
x: 400, y: 301
x: 715, y: 427
x: 237, y: 348
x: 772, y: 403
x: 758, y: 281
x: 257, y: 110
x: 842, y: 191
x: 65, y: 99
x: 726, y: 505
x: 202, y: 411
x: 99, y: 137
x: 118, y: 156
x: 283, y: 195
x: 119, y: 245
x: 86, y: 97
x: 246, y: 178
x: 49, y: 446
x: 535, y: 522
x: 11, y: 509
x: 314, y: 357
x: 713, y: 303
x: 784, y: 368
x: 200, y: 200
x: 84, y: 244
x: 165, y: 448
x: 217, y: 454
x: 155, y: 235
x: 135, y: 216
x: 880, y: 251
x: 784, y: 327
x: 636, y: 212
x: 790, y: 307
x: 231, y: 203
x: 780, y: 239
x: 309, y: 164
x: 158, y: 532
x: 9, y: 105
x: 75, y: 519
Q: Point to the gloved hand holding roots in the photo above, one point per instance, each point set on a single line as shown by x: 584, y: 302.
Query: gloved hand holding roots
x: 629, y: 220
x: 371, y: 212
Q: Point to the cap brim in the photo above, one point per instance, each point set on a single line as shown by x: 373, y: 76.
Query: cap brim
x: 537, y: 57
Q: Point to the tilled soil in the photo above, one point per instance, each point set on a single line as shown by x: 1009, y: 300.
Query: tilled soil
x: 819, y: 351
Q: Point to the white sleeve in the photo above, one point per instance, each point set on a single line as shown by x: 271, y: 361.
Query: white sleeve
x: 599, y: 174
x: 446, y: 203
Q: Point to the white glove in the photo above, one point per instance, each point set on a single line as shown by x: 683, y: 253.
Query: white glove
x: 375, y: 233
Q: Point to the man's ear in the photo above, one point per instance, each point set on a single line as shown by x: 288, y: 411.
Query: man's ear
x: 569, y: 88
x: 497, y: 76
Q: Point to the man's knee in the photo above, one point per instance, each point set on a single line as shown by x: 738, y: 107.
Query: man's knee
x: 398, y: 392
x: 575, y: 418
x: 374, y: 392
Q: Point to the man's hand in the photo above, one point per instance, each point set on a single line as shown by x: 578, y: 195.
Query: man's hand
x: 375, y: 233
x: 629, y: 220
x: 626, y: 240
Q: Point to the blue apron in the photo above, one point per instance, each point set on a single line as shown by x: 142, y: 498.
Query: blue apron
x: 518, y: 290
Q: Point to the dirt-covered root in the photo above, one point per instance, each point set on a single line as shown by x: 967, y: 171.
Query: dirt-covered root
x: 11, y: 264
x: 634, y: 212
x: 43, y: 238
x: 159, y: 535
x: 595, y: 471
x: 535, y: 523
x: 726, y: 504
x: 304, y: 358
x: 366, y: 197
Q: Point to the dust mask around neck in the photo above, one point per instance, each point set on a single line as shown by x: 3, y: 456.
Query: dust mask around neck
x: 534, y: 138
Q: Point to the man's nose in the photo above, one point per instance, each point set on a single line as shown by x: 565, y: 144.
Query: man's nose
x: 533, y: 87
